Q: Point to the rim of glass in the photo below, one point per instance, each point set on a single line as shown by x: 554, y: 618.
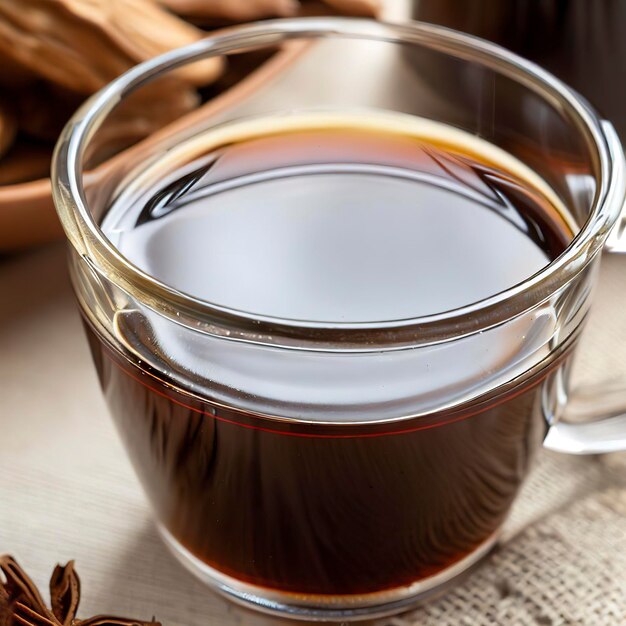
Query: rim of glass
x: 92, y: 245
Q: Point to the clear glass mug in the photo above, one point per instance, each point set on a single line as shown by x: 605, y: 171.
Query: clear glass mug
x: 311, y: 469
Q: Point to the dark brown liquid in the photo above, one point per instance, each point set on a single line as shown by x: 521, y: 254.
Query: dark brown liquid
x: 333, y: 507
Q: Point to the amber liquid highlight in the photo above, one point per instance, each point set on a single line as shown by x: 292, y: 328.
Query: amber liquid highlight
x: 330, y: 224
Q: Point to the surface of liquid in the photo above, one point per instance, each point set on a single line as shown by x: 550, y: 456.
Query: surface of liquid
x: 331, y: 223
x: 338, y: 225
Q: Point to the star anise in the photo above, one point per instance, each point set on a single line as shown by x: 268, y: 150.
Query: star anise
x: 21, y: 603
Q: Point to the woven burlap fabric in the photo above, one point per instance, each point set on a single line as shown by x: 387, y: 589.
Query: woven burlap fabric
x: 561, y: 561
x: 67, y: 489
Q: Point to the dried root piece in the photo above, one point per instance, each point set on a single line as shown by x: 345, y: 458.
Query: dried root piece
x: 233, y: 10
x: 25, y: 161
x: 46, y: 37
x: 143, y: 30
x: 83, y: 44
x: 8, y: 129
x: 13, y: 74
x: 42, y: 108
x: 370, y: 8
x: 140, y: 115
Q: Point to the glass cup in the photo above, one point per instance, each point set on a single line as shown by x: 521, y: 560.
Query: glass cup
x: 313, y: 469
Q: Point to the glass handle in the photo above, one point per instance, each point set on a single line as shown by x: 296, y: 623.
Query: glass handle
x: 616, y: 241
x: 605, y: 406
x: 593, y: 419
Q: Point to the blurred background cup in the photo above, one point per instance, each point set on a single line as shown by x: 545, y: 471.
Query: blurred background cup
x: 582, y: 43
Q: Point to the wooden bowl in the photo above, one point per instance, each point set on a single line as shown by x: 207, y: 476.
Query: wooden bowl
x: 27, y: 213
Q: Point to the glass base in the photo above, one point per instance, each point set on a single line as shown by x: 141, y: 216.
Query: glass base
x: 322, y: 607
